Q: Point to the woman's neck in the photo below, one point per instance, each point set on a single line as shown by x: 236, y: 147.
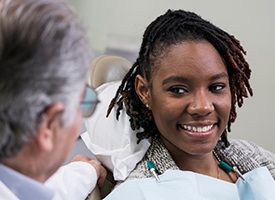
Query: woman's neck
x: 204, y: 163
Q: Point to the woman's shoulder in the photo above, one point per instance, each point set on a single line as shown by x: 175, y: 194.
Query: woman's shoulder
x: 248, y: 147
x: 247, y: 155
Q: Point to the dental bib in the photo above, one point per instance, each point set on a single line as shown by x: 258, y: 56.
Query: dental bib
x: 177, y: 184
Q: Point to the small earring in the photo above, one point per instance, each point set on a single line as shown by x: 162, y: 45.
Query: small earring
x: 146, y: 105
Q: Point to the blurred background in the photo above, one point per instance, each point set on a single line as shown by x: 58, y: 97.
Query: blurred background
x: 117, y: 26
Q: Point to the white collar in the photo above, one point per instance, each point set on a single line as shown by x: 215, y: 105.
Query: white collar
x: 24, y: 187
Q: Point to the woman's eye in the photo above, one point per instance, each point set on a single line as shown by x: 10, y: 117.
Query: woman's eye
x: 217, y: 87
x: 178, y: 90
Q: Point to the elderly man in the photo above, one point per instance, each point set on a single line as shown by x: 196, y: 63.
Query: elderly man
x: 43, y: 65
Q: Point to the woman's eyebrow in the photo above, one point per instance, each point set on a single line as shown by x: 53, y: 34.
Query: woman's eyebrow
x: 186, y: 79
x: 175, y: 78
x: 218, y: 76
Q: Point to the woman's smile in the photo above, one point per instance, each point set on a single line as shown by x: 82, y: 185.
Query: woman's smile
x: 199, y: 131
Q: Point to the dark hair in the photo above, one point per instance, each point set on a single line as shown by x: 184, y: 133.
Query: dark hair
x: 169, y: 29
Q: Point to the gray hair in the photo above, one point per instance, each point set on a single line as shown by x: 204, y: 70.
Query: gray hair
x: 44, y: 59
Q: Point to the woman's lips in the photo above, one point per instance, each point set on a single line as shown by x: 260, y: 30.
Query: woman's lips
x: 200, y: 131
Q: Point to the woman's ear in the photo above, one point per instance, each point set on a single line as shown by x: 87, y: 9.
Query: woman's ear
x: 51, y: 123
x: 142, y: 89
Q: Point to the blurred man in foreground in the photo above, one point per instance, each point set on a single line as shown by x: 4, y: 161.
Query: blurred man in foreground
x: 44, y: 59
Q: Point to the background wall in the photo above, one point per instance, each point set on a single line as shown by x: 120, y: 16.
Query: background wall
x: 119, y: 25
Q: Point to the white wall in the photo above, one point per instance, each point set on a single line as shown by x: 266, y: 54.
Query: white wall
x: 122, y: 22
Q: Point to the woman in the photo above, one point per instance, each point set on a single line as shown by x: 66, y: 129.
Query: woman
x: 183, y: 90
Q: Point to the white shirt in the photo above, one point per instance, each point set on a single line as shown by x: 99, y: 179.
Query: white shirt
x: 71, y: 182
x: 22, y: 186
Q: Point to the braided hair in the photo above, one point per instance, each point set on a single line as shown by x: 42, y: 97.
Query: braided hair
x: 169, y: 29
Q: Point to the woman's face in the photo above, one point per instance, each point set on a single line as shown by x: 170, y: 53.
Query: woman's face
x: 190, y: 98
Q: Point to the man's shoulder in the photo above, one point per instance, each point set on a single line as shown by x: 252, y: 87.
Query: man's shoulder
x: 6, y: 193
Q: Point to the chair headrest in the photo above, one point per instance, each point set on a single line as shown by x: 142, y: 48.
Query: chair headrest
x: 107, y: 68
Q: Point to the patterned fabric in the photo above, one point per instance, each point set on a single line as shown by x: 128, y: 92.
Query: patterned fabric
x: 245, y: 155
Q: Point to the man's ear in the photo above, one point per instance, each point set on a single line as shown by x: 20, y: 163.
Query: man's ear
x: 142, y: 89
x: 51, y: 122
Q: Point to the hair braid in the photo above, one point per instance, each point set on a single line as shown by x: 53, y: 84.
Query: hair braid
x: 169, y: 29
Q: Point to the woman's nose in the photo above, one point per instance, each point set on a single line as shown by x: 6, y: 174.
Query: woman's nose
x: 201, y: 104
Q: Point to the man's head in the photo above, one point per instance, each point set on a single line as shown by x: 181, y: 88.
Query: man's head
x: 43, y: 63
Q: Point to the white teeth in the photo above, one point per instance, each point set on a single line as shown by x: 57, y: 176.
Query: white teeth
x: 197, y: 129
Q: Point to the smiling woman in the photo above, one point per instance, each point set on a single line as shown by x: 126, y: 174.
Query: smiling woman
x: 180, y: 97
x: 183, y: 90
